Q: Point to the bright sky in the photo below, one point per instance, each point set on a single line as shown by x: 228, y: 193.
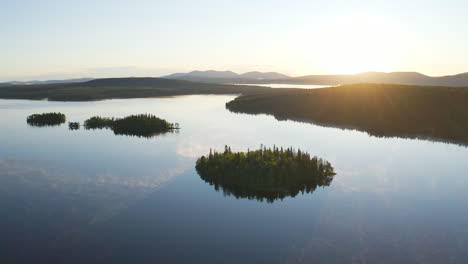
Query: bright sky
x: 97, y: 38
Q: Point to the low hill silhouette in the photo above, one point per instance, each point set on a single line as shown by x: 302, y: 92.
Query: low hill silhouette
x: 110, y: 88
x: 227, y: 76
x: 408, y: 78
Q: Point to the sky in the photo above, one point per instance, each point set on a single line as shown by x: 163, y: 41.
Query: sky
x: 46, y: 39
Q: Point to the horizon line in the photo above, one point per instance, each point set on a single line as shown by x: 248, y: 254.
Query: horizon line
x: 162, y: 76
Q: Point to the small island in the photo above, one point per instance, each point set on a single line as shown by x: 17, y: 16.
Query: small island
x: 46, y: 119
x: 142, y: 125
x: 73, y: 125
x: 264, y: 174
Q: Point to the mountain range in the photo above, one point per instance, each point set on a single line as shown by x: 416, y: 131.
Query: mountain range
x: 410, y: 78
x: 227, y: 76
x: 255, y: 77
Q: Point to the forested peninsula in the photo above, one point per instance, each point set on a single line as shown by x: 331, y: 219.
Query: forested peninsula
x: 383, y: 110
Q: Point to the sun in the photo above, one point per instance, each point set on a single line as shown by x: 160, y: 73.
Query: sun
x: 358, y: 44
x: 358, y: 56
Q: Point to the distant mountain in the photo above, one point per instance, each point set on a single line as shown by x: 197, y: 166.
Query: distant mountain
x: 45, y: 82
x: 226, y: 76
x: 410, y: 78
x: 255, y: 75
x: 202, y: 74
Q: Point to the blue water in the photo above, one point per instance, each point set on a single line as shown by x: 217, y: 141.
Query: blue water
x: 90, y: 196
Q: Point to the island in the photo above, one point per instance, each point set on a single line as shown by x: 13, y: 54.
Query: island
x: 266, y: 174
x: 142, y: 125
x: 73, y: 125
x: 46, y: 119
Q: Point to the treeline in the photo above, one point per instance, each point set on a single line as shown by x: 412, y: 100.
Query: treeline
x: 46, y: 119
x: 264, y: 174
x: 73, y: 125
x: 143, y: 125
x: 384, y: 110
x: 109, y: 88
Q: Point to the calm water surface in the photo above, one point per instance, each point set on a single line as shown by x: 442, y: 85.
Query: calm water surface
x: 91, y: 196
x: 285, y: 85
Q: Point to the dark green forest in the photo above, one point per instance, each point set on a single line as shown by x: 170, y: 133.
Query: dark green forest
x: 46, y: 119
x: 112, y: 88
x: 73, y: 125
x: 264, y: 174
x: 142, y: 125
x: 383, y: 110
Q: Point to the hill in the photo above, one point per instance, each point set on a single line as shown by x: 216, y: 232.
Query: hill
x: 109, y: 88
x: 384, y: 110
x: 45, y: 82
x: 408, y: 78
x: 255, y: 75
x: 227, y: 76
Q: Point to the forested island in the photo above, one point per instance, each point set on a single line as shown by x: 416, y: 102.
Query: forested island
x: 383, y: 110
x: 264, y: 174
x: 46, y: 119
x: 73, y: 125
x: 142, y: 125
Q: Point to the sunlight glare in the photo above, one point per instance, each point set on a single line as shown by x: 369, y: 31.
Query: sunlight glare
x: 359, y: 44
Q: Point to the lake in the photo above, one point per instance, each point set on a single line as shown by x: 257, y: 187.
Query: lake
x: 285, y: 85
x: 89, y: 196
